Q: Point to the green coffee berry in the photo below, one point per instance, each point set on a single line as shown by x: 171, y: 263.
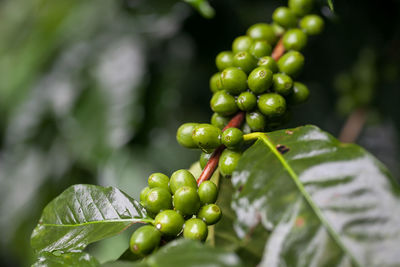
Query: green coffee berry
x: 291, y: 63
x: 244, y: 61
x: 294, y: 39
x: 224, y: 60
x: 278, y: 29
x: 282, y: 84
x: 260, y: 49
x: 234, y: 80
x: 184, y: 135
x: 158, y: 180
x: 246, y: 101
x: 169, y: 222
x: 300, y: 93
x: 215, y: 82
x: 223, y: 103
x: 262, y: 31
x: 268, y: 62
x: 208, y: 192
x: 312, y: 24
x: 145, y: 240
x: 158, y: 199
x: 256, y: 121
x: 228, y: 162
x: 143, y: 194
x: 210, y: 214
x: 181, y: 178
x: 241, y: 43
x: 186, y: 201
x: 219, y: 121
x: 204, y: 157
x: 207, y: 136
x: 232, y: 137
x: 284, y: 17
x: 300, y: 7
x: 195, y: 229
x: 260, y: 80
x: 272, y: 104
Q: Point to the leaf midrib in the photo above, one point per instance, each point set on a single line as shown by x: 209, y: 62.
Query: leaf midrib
x: 303, y: 191
x: 98, y: 222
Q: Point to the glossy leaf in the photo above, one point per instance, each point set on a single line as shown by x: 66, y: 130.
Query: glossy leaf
x: 203, y: 7
x: 188, y: 253
x: 326, y: 203
x: 81, y: 259
x: 83, y: 214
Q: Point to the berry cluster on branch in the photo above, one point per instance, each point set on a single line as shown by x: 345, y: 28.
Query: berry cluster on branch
x: 253, y: 90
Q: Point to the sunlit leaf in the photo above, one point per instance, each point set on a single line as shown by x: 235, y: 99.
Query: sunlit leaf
x: 83, y: 214
x: 325, y: 203
x: 81, y: 259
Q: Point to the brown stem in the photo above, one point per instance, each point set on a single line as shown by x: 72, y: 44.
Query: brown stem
x: 212, y: 163
x: 236, y: 121
x: 353, y: 126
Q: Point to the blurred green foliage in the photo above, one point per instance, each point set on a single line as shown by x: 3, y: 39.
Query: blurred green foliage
x: 93, y: 92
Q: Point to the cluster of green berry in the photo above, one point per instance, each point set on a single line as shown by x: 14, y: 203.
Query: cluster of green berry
x: 251, y: 80
x: 179, y: 208
x: 255, y: 81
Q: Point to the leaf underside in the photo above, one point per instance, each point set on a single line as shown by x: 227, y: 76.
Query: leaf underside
x: 84, y: 214
x: 325, y: 203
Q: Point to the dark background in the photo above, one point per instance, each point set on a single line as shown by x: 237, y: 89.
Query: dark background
x: 93, y: 92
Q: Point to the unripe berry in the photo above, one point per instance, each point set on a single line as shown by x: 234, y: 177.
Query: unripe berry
x: 228, y: 162
x: 210, y: 214
x: 207, y: 136
x: 143, y: 195
x: 294, y: 39
x: 204, y: 157
x: 181, y: 178
x: 291, y: 63
x: 301, y: 7
x: 208, y: 192
x: 186, y: 201
x: 282, y: 84
x: 246, y: 101
x: 223, y: 103
x: 284, y: 17
x: 234, y: 80
x: 244, y: 61
x: 158, y: 199
x: 144, y: 240
x: 269, y: 63
x: 312, y: 24
x: 158, y: 180
x: 241, y: 43
x: 272, y: 104
x: 224, y: 60
x: 260, y: 49
x: 260, y: 80
x: 169, y: 222
x: 232, y: 137
x: 300, y: 93
x: 195, y: 229
x: 215, y: 82
x: 256, y: 121
x: 219, y: 120
x: 184, y: 135
x: 262, y: 31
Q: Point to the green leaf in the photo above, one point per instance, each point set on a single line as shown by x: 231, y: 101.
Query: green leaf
x: 325, y: 203
x: 81, y: 259
x: 330, y: 4
x: 203, y: 7
x: 188, y: 253
x: 84, y: 214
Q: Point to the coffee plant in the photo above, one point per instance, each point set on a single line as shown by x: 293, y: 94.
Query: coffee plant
x: 259, y: 195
